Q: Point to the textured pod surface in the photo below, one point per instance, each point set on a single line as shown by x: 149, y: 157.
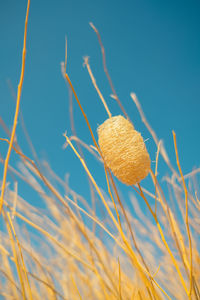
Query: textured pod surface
x: 124, y: 150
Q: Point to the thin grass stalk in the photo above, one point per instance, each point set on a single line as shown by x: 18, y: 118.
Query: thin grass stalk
x: 47, y: 285
x: 186, y: 215
x: 16, y: 112
x: 86, y: 62
x: 16, y: 260
x: 21, y: 255
x: 106, y: 70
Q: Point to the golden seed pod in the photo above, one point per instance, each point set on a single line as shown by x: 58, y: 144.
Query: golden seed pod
x: 124, y: 150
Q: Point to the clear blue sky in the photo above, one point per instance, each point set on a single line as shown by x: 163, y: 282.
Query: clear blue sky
x: 152, y: 49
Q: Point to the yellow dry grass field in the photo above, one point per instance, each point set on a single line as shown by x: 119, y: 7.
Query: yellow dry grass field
x: 70, y: 250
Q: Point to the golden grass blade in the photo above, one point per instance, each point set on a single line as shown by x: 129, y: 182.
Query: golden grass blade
x: 21, y: 255
x: 156, y: 173
x: 86, y: 63
x: 152, y: 132
x: 16, y: 112
x: 84, y: 115
x: 186, y: 215
x: 48, y: 285
x: 106, y: 70
x: 16, y: 260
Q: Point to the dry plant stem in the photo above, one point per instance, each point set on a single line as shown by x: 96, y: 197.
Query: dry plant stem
x: 163, y: 239
x: 12, y: 170
x: 96, y: 221
x: 156, y: 173
x: 106, y: 70
x: 5, y: 295
x: 190, y: 174
x: 111, y: 196
x: 11, y: 281
x: 186, y: 213
x: 48, y: 285
x: 153, y: 134
x: 197, y: 292
x: 76, y: 287
x: 197, y: 200
x: 65, y: 65
x: 17, y: 147
x: 178, y: 189
x: 4, y: 126
x: 7, y: 272
x: 102, y: 285
x: 90, y: 149
x: 15, y: 199
x: 86, y: 62
x: 21, y: 255
x: 16, y: 112
x: 84, y: 115
x: 63, y: 68
x: 120, y: 292
x: 46, y: 182
x: 79, y: 144
x: 44, y: 271
x: 112, y: 290
x: 24, y: 126
x: 16, y: 260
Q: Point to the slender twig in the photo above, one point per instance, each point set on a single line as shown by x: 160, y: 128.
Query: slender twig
x: 106, y: 70
x: 86, y: 63
x: 16, y: 111
x: 186, y: 213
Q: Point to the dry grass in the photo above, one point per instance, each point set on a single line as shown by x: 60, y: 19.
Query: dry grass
x: 98, y: 249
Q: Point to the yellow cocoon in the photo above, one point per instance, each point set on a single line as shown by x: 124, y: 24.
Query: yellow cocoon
x: 123, y: 150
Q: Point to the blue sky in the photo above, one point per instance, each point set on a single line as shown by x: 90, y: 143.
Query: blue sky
x: 152, y: 49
